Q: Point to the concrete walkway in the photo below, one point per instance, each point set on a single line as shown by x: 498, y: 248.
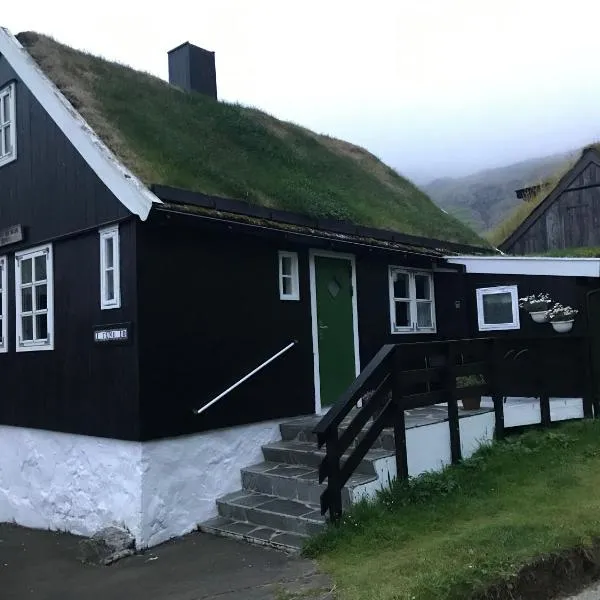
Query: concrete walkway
x: 591, y: 593
x: 43, y: 565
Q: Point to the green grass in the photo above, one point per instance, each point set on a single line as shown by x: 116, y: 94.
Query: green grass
x: 584, y: 252
x: 188, y: 140
x: 443, y: 536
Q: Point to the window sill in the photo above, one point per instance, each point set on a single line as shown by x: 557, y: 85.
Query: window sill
x: 412, y: 331
x: 500, y: 327
x: 110, y: 306
x: 7, y: 160
x: 34, y: 347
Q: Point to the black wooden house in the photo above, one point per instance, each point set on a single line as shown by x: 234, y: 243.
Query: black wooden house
x: 155, y: 330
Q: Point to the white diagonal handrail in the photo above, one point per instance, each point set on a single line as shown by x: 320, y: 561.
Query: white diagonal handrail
x: 199, y: 411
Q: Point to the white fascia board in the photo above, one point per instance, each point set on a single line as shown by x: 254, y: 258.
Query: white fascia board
x: 126, y: 187
x: 528, y: 265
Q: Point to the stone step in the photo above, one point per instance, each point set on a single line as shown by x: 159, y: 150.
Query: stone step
x: 255, y: 534
x: 295, y: 452
x: 295, y: 482
x: 271, y: 511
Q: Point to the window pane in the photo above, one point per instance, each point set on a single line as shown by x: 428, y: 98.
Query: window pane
x: 109, y: 253
x: 5, y: 109
x: 27, y: 325
x: 286, y: 283
x: 400, y: 285
x: 423, y: 287
x: 286, y: 265
x: 497, y: 308
x: 40, y: 268
x: 41, y: 327
x: 7, y: 140
x: 402, y: 314
x: 41, y: 297
x: 424, y: 319
x: 26, y: 266
x: 109, y: 280
x: 26, y: 299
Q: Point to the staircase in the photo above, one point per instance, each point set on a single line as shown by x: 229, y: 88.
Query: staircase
x: 279, y: 503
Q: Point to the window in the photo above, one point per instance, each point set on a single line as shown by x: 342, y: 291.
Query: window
x: 34, y: 299
x: 8, y: 140
x: 3, y: 304
x: 289, y: 286
x: 110, y: 277
x: 412, y: 306
x: 498, y: 308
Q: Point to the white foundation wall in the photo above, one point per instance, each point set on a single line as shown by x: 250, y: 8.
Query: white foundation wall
x: 182, y: 477
x: 77, y: 483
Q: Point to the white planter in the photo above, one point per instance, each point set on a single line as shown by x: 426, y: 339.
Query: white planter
x: 562, y: 326
x: 539, y: 316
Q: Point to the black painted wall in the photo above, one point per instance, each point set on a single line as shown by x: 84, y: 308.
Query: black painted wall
x: 77, y: 387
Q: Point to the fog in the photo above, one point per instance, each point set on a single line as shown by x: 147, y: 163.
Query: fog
x: 434, y: 88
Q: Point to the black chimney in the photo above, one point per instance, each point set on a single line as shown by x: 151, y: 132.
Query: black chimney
x: 193, y: 69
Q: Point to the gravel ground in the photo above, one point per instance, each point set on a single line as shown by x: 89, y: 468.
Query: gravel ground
x: 592, y: 593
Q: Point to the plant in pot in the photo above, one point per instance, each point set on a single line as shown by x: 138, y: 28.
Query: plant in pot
x: 562, y: 317
x: 472, y: 401
x: 537, y: 306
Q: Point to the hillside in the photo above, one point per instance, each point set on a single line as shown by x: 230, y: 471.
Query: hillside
x: 187, y: 140
x: 486, y: 198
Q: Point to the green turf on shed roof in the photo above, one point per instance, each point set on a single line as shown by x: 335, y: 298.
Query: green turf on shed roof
x: 174, y: 138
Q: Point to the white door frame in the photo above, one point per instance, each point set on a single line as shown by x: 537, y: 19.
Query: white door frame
x: 313, y: 311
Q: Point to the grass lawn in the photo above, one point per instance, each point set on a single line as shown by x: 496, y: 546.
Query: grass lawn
x: 446, y: 535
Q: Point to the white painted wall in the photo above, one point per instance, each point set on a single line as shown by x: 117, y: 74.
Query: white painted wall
x: 158, y: 490
x: 78, y: 483
x: 182, y: 477
x: 526, y: 411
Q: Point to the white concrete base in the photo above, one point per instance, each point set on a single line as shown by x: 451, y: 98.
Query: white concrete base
x: 526, y: 411
x: 428, y: 449
x: 158, y: 490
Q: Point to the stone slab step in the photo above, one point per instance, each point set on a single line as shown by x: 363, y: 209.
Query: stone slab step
x: 270, y: 511
x: 307, y: 454
x: 255, y: 534
x: 294, y: 482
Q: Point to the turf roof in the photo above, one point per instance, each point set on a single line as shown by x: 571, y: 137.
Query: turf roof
x: 170, y: 137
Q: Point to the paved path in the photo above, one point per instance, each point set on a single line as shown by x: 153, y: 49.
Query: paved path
x: 42, y: 565
x: 592, y: 593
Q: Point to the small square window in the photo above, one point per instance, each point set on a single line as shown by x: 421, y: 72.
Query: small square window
x: 8, y: 141
x: 498, y: 308
x: 289, y: 285
x: 110, y: 276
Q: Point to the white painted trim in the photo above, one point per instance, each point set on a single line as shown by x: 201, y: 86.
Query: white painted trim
x: 313, y: 312
x: 513, y: 290
x: 528, y: 265
x: 31, y: 253
x: 112, y: 234
x: 4, y: 304
x: 294, y: 276
x: 127, y: 188
x: 412, y: 300
x: 10, y: 91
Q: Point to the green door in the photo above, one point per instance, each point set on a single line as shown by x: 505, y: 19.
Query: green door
x: 335, y: 326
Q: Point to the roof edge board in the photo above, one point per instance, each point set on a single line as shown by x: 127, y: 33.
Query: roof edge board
x: 126, y: 187
x: 526, y: 265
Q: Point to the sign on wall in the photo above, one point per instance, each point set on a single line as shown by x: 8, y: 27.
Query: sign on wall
x: 119, y: 333
x: 11, y: 235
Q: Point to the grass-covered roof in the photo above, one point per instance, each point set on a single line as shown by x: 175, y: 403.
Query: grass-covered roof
x: 170, y: 137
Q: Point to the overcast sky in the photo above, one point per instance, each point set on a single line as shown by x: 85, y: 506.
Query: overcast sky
x: 434, y: 88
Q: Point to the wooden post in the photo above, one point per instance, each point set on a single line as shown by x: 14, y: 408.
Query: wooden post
x: 450, y: 388
x: 545, y: 417
x: 399, y: 425
x: 493, y: 387
x: 590, y: 400
x: 334, y: 489
x: 545, y: 409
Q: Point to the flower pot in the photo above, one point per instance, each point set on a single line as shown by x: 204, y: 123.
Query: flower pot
x: 539, y: 316
x: 562, y: 326
x: 472, y: 403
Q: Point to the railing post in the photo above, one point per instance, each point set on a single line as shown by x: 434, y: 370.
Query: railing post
x: 493, y: 360
x: 399, y: 423
x: 334, y: 489
x: 590, y: 399
x: 453, y: 420
x: 545, y: 417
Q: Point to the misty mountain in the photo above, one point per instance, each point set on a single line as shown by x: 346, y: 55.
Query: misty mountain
x: 484, y: 199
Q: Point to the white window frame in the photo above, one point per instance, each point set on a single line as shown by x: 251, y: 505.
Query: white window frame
x: 3, y: 304
x: 8, y: 91
x: 294, y: 276
x: 35, y: 344
x: 112, y: 234
x: 513, y: 290
x: 411, y: 299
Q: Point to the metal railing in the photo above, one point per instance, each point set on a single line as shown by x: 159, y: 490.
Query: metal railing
x: 199, y: 411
